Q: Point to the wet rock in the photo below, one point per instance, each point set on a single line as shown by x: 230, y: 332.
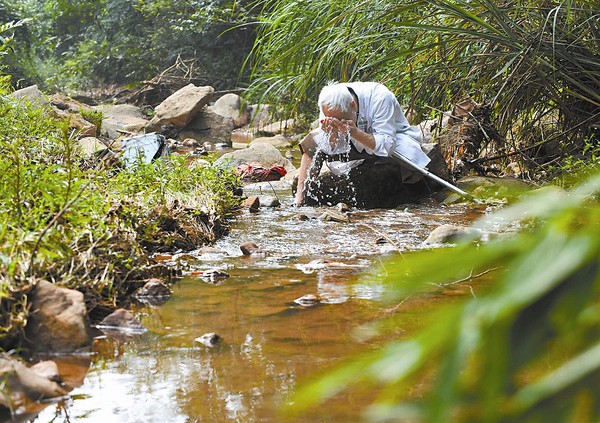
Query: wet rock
x: 210, y: 339
x: 269, y: 201
x: 153, y: 293
x: 22, y: 384
x: 343, y: 207
x: 308, y: 300
x: 190, y: 143
x: 251, y: 249
x: 302, y: 217
x: 58, y: 320
x: 320, y: 264
x: 252, y: 203
x: 334, y: 216
x: 451, y: 233
x: 214, y: 275
x: 121, y: 319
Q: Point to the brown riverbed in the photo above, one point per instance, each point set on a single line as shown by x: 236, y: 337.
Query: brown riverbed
x: 270, y: 343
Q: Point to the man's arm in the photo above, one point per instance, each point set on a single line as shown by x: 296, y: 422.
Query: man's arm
x: 302, y: 173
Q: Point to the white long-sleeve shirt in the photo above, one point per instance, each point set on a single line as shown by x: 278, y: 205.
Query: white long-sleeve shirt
x: 380, y: 114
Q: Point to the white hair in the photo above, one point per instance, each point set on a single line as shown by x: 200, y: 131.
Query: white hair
x: 336, y: 96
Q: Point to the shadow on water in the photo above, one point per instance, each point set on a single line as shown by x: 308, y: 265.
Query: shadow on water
x: 270, y: 343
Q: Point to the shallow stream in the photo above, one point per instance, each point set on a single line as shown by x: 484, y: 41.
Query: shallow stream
x: 269, y: 343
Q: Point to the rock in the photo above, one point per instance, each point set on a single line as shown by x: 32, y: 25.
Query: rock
x: 252, y: 203
x: 214, y: 275
x: 264, y: 154
x: 278, y: 141
x: 334, y: 216
x: 153, y: 288
x: 33, y: 95
x: 232, y: 106
x: 58, y: 320
x: 121, y: 319
x: 190, y: 143
x: 260, y: 115
x: 276, y: 128
x: 450, y: 233
x: 92, y: 146
x: 78, y: 123
x: 251, y: 249
x: 22, y: 384
x: 207, y: 126
x: 180, y: 107
x: 342, y: 207
x: 431, y: 128
x: 269, y: 201
x: 119, y: 119
x: 209, y: 339
x: 308, y: 300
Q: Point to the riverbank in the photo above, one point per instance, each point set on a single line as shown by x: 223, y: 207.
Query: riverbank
x: 88, y: 222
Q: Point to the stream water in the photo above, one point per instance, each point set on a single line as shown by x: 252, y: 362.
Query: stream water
x: 270, y: 344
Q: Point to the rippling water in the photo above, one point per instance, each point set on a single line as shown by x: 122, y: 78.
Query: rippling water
x: 270, y: 343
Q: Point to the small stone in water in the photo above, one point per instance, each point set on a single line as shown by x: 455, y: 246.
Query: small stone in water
x: 334, y: 216
x: 250, y: 249
x: 343, y: 207
x: 209, y: 339
x: 308, y: 300
x: 213, y: 274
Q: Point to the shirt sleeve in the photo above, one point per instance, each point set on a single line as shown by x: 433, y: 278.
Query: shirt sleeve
x: 383, y: 125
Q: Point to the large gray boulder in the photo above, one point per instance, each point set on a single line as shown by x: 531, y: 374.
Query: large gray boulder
x: 231, y: 106
x: 209, y: 126
x: 57, y: 321
x: 181, y: 107
x: 121, y: 119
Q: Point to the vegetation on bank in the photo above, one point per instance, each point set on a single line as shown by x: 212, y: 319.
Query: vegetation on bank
x: 83, y: 223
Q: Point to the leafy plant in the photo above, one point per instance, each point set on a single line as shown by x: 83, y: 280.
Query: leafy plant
x: 486, y: 358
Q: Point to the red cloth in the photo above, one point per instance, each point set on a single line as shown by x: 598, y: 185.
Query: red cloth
x: 256, y: 173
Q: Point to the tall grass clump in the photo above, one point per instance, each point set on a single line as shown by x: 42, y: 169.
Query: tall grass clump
x: 535, y: 62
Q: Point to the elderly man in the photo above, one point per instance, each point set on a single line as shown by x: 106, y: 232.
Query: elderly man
x: 361, y: 125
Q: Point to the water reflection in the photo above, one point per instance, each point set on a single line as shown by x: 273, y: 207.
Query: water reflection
x: 269, y: 343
